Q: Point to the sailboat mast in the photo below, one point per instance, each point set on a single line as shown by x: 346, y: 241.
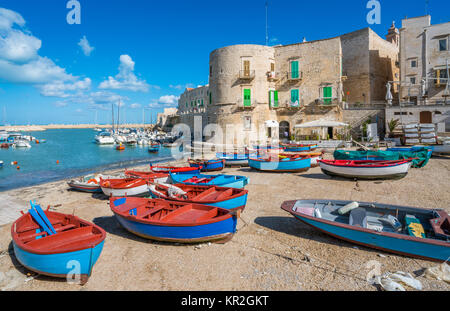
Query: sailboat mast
x: 118, y: 116
x: 112, y: 124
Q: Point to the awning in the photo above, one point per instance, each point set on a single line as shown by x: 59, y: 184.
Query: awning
x: 321, y: 123
x: 271, y: 123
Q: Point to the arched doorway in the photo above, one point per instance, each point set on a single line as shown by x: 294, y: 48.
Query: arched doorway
x: 285, y: 131
x: 426, y: 117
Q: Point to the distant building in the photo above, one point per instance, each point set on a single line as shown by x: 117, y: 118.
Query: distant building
x: 255, y: 88
x: 424, y: 55
x: 167, y: 119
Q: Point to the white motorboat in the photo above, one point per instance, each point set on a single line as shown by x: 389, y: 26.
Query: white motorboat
x: 21, y: 144
x: 104, y: 138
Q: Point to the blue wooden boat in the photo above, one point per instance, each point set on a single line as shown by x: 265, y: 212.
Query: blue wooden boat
x: 208, y: 165
x: 234, y: 159
x: 274, y: 163
x: 298, y: 147
x: 412, y: 149
x: 227, y: 198
x: 1, y: 164
x: 416, y: 232
x: 170, y: 221
x: 56, y: 244
x: 153, y: 148
x: 229, y: 181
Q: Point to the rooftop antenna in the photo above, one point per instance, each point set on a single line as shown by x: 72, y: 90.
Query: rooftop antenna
x: 267, y: 23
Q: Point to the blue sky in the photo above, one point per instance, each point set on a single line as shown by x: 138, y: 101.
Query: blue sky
x: 146, y: 52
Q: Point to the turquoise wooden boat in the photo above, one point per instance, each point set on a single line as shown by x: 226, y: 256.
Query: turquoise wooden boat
x: 409, y: 231
x: 276, y: 164
x: 229, y: 181
x: 298, y: 147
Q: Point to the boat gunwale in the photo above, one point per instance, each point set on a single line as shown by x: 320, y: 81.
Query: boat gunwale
x: 393, y: 163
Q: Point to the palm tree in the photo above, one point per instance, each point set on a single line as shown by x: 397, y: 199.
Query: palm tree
x: 392, y: 126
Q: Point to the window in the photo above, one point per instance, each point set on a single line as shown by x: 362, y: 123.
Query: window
x: 441, y: 74
x: 201, y: 104
x: 295, y: 95
x: 247, y: 122
x: 327, y: 94
x: 247, y: 98
x: 294, y: 70
x: 272, y: 67
x: 413, y: 64
x: 246, y: 68
x: 273, y: 99
x: 210, y: 98
x: 412, y: 80
x: 443, y: 45
x: 210, y: 71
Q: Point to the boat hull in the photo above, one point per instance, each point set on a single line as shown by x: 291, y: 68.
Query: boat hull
x: 209, y: 166
x: 437, y: 149
x: 130, y: 192
x: 60, y: 265
x: 391, y: 172
x: 85, y: 188
x: 234, y: 159
x: 384, y: 243
x: 301, y: 165
x: 213, y: 232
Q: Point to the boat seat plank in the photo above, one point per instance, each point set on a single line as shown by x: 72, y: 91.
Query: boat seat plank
x: 227, y: 193
x: 27, y: 238
x: 150, y: 211
x: 57, y: 240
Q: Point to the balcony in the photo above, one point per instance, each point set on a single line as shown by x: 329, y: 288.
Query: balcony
x: 272, y: 76
x: 247, y: 75
x: 294, y: 76
x: 247, y: 104
x: 327, y: 102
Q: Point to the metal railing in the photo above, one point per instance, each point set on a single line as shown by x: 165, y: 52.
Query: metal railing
x: 246, y: 74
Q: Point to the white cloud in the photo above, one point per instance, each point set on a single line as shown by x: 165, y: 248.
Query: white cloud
x: 169, y: 99
x: 8, y: 18
x: 125, y: 79
x: 181, y: 86
x: 85, y: 46
x: 19, y: 59
x: 60, y: 89
x: 135, y: 106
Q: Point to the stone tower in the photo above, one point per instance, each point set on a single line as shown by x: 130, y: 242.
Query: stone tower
x: 393, y: 35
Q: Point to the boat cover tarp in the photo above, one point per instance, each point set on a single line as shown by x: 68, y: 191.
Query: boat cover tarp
x: 422, y: 156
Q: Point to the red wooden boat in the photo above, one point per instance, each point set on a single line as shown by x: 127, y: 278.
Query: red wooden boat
x: 48, y: 242
x: 150, y: 177
x: 175, y: 170
x: 124, y: 187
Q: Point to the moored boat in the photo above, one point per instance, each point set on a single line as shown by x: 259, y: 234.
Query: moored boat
x: 234, y: 159
x: 445, y: 149
x: 1, y: 164
x: 366, y: 169
x: 230, y: 181
x: 154, y: 148
x: 297, y: 147
x: 150, y: 177
x: 123, y: 187
x: 275, y: 163
x: 416, y: 232
x: 208, y: 165
x: 315, y: 156
x: 170, y: 221
x: 227, y: 198
x: 53, y: 244
x: 175, y: 170
x: 89, y: 183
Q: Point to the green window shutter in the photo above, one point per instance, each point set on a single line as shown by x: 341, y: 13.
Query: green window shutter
x: 201, y: 105
x: 294, y: 70
x: 247, y: 98
x: 273, y: 99
x: 210, y: 98
x: 327, y: 94
x: 275, y: 96
x: 295, y: 97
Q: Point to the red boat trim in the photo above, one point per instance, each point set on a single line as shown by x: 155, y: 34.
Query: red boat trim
x: 169, y: 169
x: 127, y: 183
x: 360, y: 163
x: 288, y: 205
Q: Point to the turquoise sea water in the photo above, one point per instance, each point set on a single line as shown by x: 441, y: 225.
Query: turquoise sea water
x: 77, y: 155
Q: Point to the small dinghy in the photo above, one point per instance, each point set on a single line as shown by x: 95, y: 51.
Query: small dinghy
x: 234, y: 159
x: 175, y: 170
x: 297, y: 147
x: 444, y: 149
x: 276, y: 163
x: 124, y: 187
x: 208, y: 165
x: 1, y: 164
x: 89, y: 183
x: 366, y: 169
x: 315, y: 156
x: 53, y: 244
x: 227, y: 198
x: 227, y: 181
x: 150, y: 177
x: 416, y: 232
x: 169, y: 221
x: 154, y: 148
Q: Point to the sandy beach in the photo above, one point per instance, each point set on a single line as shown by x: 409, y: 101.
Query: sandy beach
x: 270, y: 252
